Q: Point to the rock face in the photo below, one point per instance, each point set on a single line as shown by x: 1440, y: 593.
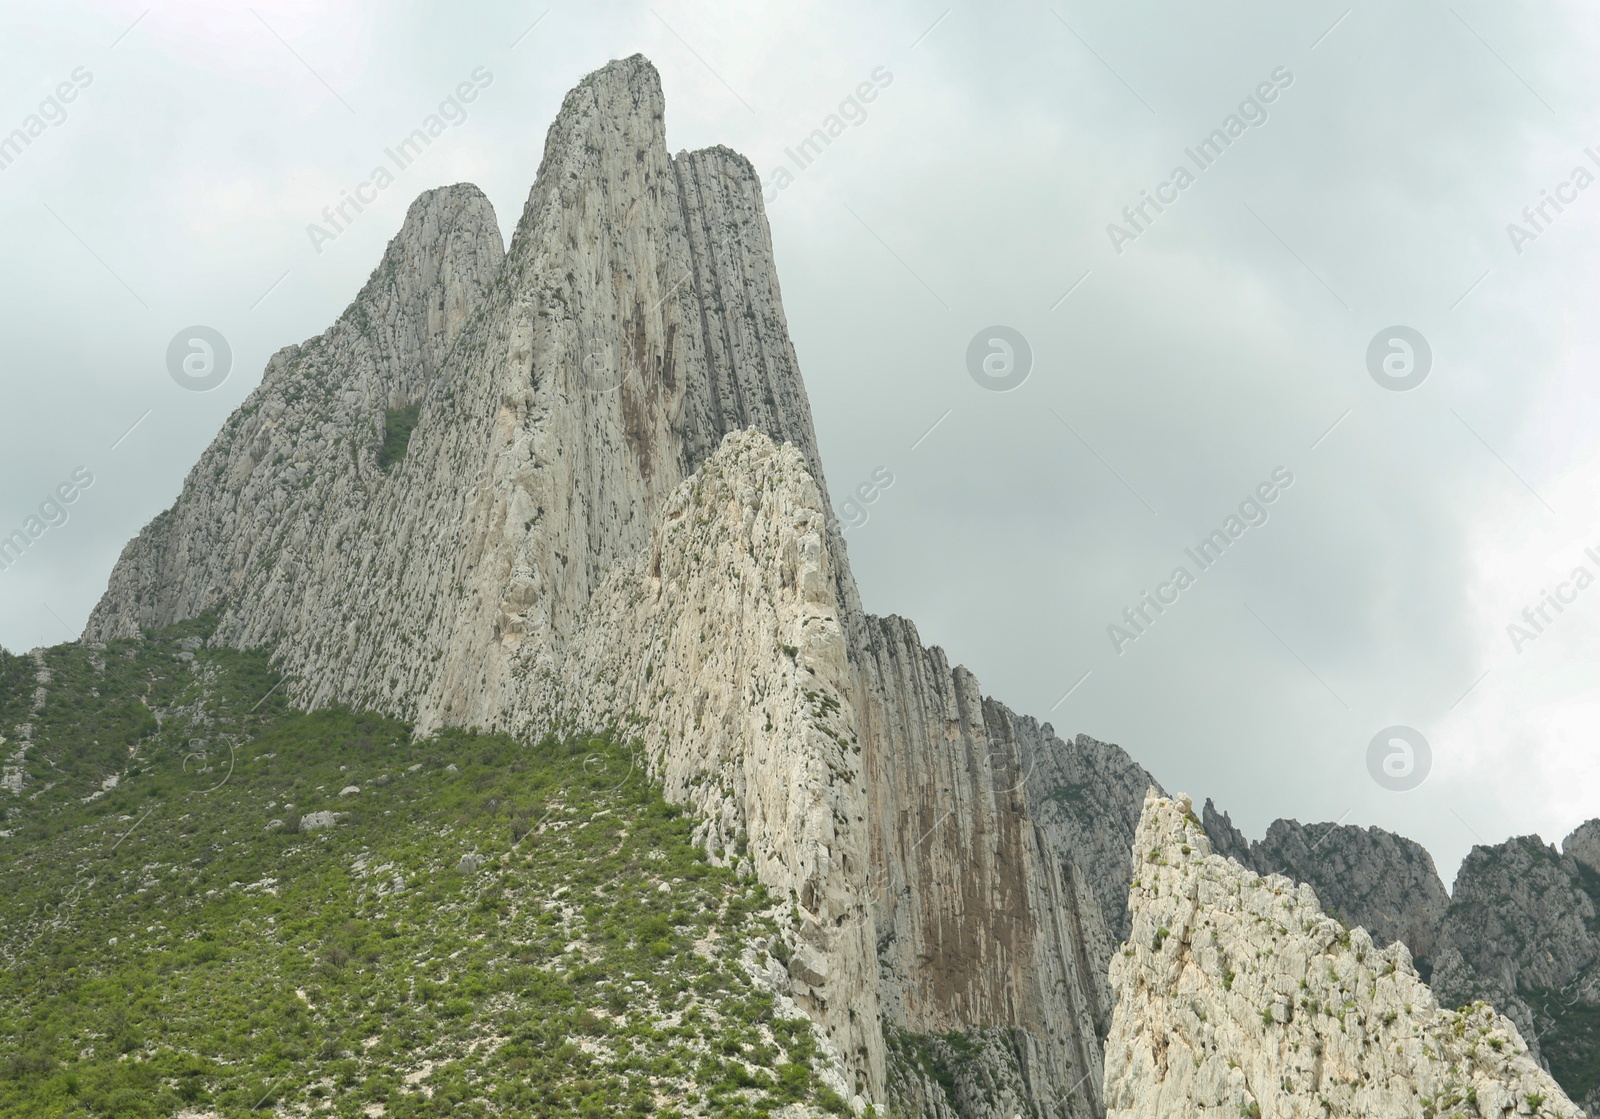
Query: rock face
x: 1238, y: 996
x: 1383, y: 882
x: 1000, y: 873
x: 1520, y: 930
x: 981, y: 919
x: 1523, y: 931
x: 289, y: 499
x: 563, y: 392
x: 722, y: 644
x: 541, y: 550
x: 1584, y: 844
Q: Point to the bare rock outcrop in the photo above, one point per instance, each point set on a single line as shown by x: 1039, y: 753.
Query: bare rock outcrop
x: 486, y: 572
x: 1000, y: 871
x: 1237, y: 995
x: 1523, y: 931
x: 564, y: 394
x: 1583, y: 844
x: 289, y: 493
x: 721, y: 648
x: 1520, y: 930
x: 563, y: 391
x: 1381, y: 881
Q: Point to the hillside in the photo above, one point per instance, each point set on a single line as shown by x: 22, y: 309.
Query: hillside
x: 487, y: 926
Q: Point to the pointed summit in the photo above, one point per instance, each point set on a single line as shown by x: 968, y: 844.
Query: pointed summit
x: 500, y: 490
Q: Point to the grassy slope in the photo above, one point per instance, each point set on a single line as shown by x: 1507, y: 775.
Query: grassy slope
x: 170, y: 946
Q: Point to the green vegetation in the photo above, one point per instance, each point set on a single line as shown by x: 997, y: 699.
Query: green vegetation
x: 959, y: 1066
x: 924, y: 1054
x: 174, y: 941
x: 1069, y: 797
x: 1569, y: 1039
x: 397, y: 426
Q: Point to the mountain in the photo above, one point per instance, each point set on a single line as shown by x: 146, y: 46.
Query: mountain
x: 959, y: 868
x: 569, y: 492
x: 1238, y: 995
x: 1520, y: 928
x: 1383, y: 882
x: 1523, y: 931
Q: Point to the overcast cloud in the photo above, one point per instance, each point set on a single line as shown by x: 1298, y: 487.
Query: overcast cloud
x: 1219, y: 345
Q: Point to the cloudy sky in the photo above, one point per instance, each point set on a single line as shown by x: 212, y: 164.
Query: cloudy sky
x: 1176, y: 364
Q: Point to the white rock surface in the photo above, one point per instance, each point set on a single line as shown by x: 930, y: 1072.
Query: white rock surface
x: 1237, y: 996
x: 721, y: 648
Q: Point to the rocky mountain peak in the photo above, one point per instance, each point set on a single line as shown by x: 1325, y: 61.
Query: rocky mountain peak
x: 1583, y: 845
x: 611, y: 125
x: 1370, y: 877
x: 1237, y: 995
x: 433, y: 276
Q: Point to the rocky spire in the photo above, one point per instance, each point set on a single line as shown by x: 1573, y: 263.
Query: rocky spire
x: 563, y: 393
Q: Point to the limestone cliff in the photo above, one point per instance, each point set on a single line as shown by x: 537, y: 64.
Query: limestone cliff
x: 563, y: 392
x: 1000, y: 873
x: 1238, y: 996
x: 289, y: 498
x: 722, y: 645
x: 1520, y: 929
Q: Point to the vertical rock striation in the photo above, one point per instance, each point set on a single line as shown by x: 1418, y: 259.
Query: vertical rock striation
x: 565, y: 391
x: 1000, y: 873
x: 276, y: 505
x: 722, y: 645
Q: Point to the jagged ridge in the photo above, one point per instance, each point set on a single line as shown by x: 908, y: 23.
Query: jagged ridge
x: 1238, y: 996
